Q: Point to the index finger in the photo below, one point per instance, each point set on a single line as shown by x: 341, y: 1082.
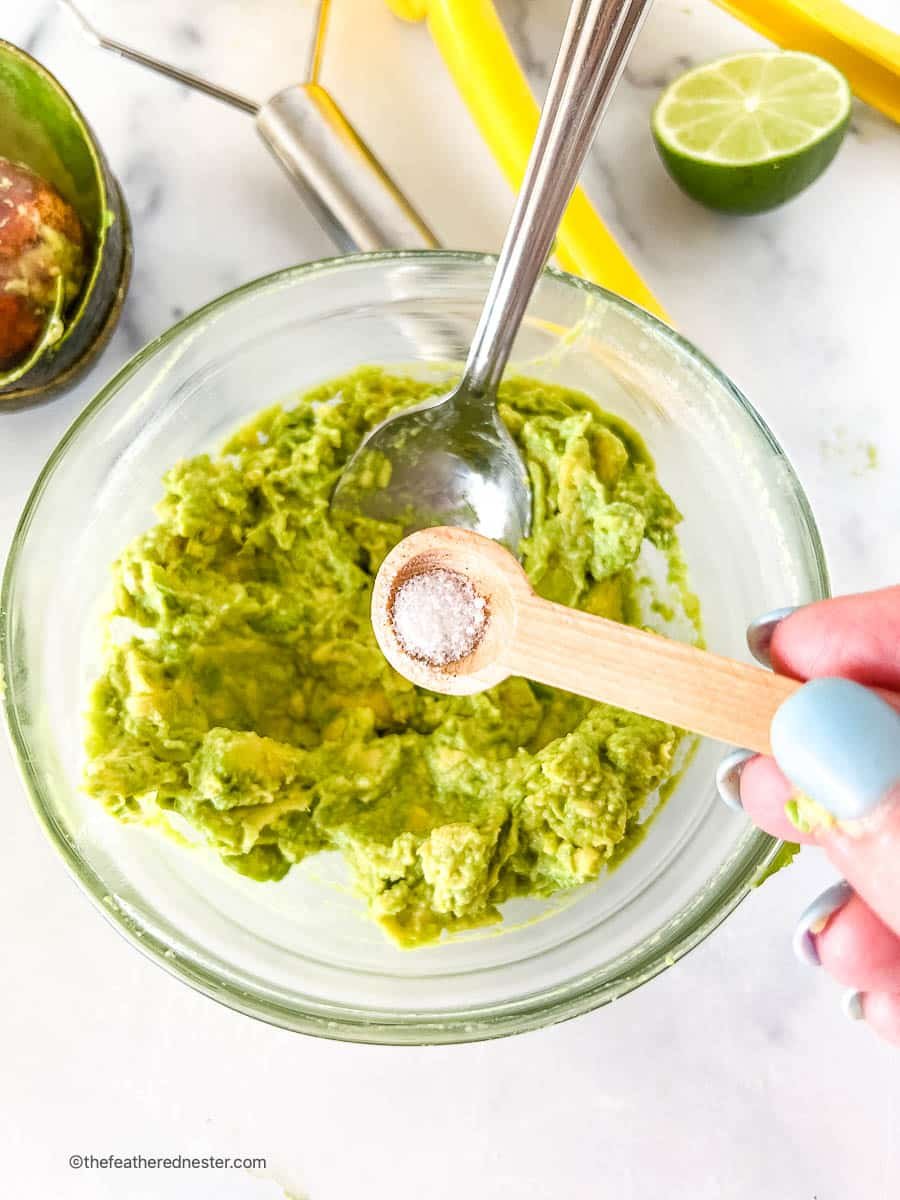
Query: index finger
x: 855, y: 637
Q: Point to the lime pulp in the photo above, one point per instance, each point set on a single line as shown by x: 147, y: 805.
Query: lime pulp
x: 748, y: 132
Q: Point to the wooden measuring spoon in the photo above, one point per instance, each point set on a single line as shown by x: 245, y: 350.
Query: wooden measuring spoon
x: 559, y: 646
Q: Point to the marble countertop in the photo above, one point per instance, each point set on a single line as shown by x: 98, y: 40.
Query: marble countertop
x: 731, y: 1076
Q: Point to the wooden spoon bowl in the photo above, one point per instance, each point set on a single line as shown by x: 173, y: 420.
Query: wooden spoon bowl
x: 494, y: 574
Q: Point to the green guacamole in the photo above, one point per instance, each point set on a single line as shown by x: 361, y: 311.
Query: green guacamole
x: 244, y: 697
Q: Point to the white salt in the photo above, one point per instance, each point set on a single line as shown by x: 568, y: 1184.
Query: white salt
x: 438, y: 616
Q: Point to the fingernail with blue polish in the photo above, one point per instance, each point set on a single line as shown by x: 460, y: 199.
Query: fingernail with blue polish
x: 814, y: 920
x: 852, y: 1004
x: 728, y: 778
x: 759, y: 633
x: 840, y: 744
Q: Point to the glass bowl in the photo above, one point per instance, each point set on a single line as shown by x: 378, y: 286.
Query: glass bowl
x: 301, y: 953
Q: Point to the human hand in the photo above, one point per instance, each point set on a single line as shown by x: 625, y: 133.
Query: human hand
x: 839, y: 744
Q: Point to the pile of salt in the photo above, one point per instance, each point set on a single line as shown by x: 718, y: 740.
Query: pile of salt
x: 438, y: 616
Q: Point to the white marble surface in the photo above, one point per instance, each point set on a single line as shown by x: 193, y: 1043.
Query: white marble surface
x: 732, y: 1076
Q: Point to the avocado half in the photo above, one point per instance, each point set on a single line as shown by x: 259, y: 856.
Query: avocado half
x: 42, y: 128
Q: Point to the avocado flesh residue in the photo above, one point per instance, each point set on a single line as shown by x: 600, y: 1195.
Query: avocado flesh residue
x: 254, y: 708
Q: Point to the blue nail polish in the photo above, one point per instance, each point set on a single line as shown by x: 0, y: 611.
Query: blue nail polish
x: 814, y: 920
x: 728, y: 778
x: 759, y: 633
x: 852, y: 1004
x: 840, y: 744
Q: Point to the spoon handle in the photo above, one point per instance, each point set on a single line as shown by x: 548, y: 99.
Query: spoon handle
x: 647, y: 674
x: 594, y: 50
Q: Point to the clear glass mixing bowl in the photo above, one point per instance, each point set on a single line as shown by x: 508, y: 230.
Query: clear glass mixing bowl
x: 301, y: 953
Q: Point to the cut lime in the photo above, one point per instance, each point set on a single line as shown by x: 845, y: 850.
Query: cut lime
x: 748, y: 132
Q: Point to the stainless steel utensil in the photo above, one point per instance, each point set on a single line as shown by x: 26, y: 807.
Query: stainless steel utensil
x: 452, y: 461
x: 351, y: 194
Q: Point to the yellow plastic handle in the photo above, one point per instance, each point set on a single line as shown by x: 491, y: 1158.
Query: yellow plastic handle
x: 472, y: 41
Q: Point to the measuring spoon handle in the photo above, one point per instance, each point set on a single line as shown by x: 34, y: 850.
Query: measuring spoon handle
x: 655, y: 676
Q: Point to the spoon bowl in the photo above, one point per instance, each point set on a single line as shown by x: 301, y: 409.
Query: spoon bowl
x: 450, y: 461
x: 497, y: 578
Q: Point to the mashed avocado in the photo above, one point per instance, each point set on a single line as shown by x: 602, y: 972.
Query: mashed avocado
x: 244, y: 693
x: 807, y: 816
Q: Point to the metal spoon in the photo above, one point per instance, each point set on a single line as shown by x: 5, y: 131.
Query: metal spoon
x: 451, y: 461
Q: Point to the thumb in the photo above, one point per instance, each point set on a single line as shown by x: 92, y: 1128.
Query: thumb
x: 839, y: 745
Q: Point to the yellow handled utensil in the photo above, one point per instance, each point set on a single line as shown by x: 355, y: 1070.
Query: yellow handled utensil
x: 473, y: 43
x: 864, y: 51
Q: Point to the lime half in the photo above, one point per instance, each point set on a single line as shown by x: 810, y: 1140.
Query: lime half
x: 748, y: 132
